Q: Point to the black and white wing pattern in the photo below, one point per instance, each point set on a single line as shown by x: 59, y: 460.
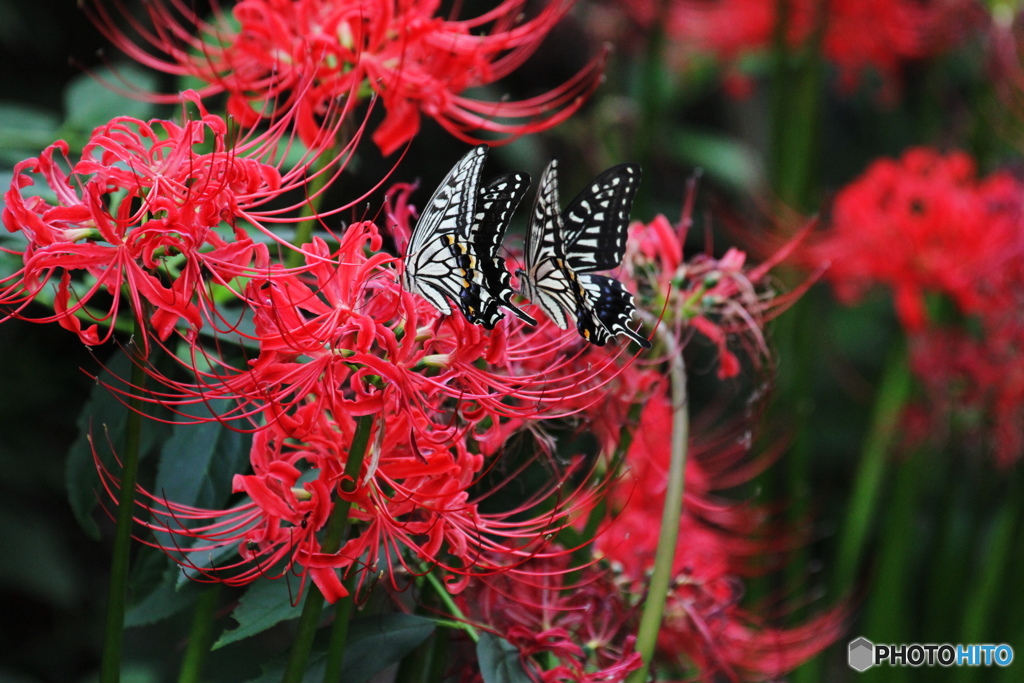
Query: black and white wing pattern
x: 494, y: 208
x: 546, y: 281
x: 565, y: 248
x: 611, y: 305
x: 597, y: 220
x: 439, y: 262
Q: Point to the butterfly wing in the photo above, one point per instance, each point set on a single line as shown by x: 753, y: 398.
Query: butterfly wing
x: 597, y: 220
x: 439, y: 263
x: 494, y: 208
x: 608, y: 310
x: 546, y: 281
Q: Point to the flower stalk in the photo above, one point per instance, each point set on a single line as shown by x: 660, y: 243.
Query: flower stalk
x: 110, y: 664
x: 661, y: 578
x: 201, y: 636
x: 893, y: 392
x: 334, y: 535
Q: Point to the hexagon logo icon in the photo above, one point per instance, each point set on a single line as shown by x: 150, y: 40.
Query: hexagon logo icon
x: 861, y: 654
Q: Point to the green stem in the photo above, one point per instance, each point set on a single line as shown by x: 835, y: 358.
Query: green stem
x: 796, y: 108
x: 339, y: 634
x: 986, y: 595
x: 110, y: 665
x: 452, y: 608
x: 428, y: 662
x: 657, y: 594
x: 957, y: 511
x: 892, y: 395
x: 200, y: 637
x: 893, y: 595
x: 336, y: 528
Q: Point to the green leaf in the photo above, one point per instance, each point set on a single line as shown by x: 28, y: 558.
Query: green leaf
x: 25, y: 130
x: 101, y: 424
x: 88, y: 102
x: 726, y: 160
x: 199, y: 460
x: 216, y: 556
x: 266, y: 603
x: 163, y: 601
x: 499, y: 660
x: 375, y: 643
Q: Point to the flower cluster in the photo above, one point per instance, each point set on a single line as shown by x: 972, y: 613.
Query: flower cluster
x: 928, y: 228
x: 582, y: 625
x: 547, y: 607
x: 280, y: 55
x: 923, y: 224
x: 154, y: 212
x: 364, y: 402
x: 723, y: 300
x: 338, y: 342
x: 707, y: 627
x: 388, y: 439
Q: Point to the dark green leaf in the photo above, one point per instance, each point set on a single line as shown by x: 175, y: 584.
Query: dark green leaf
x: 89, y: 103
x: 101, y: 424
x: 374, y: 643
x: 266, y: 603
x: 199, y: 460
x: 499, y: 660
x: 726, y: 160
x: 216, y: 556
x: 377, y: 642
x: 24, y: 131
x: 164, y: 600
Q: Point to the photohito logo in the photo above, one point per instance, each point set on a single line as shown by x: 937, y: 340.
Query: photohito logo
x: 863, y: 654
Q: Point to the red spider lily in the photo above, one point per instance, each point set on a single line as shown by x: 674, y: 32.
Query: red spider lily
x: 927, y: 225
x: 412, y: 508
x: 338, y: 340
x: 980, y: 379
x: 576, y: 630
x: 883, y: 34
x: 417, y: 62
x: 924, y: 223
x: 326, y: 331
x: 706, y: 629
x: 155, y: 213
x: 723, y: 300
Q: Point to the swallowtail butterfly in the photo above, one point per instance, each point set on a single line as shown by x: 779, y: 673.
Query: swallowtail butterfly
x: 452, y: 253
x: 564, y: 250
